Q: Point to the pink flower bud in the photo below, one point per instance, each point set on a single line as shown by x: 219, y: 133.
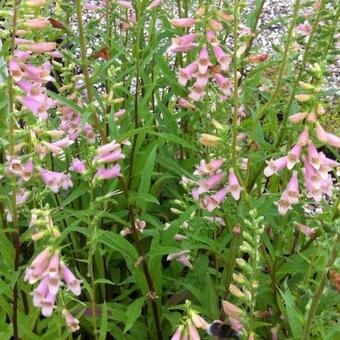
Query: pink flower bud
x: 78, y: 166
x: 73, y: 284
x: 184, y: 22
x: 71, y: 322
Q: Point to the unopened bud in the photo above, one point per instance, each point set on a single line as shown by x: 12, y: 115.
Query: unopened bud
x: 234, y: 290
x: 175, y: 211
x: 200, y: 11
x: 209, y: 140
x: 302, y: 98
x: 239, y: 278
x: 306, y: 86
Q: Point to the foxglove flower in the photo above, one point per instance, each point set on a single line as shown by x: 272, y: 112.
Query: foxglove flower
x: 71, y: 321
x: 234, y: 187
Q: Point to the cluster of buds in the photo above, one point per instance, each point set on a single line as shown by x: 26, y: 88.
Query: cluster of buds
x: 211, y: 177
x: 188, y: 329
x: 316, y: 166
x: 211, y: 62
x: 49, y: 270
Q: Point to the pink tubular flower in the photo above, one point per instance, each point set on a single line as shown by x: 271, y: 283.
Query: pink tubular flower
x: 197, y: 93
x: 303, y: 138
x: 108, y: 173
x: 223, y: 83
x: 178, y: 333
x: 201, y: 79
x: 234, y: 186
x: 304, y: 29
x: 15, y: 70
x: 182, y: 257
x: 313, y: 155
x: 119, y: 114
x: 212, y: 202
x: 154, y: 4
x: 78, y: 166
x: 37, y: 23
x: 124, y: 4
x: 193, y: 333
x: 198, y: 321
x: 53, y: 266
x: 39, y: 74
x: 298, y: 117
x: 110, y: 157
x: 326, y: 137
x: 38, y: 108
x: 14, y: 167
x: 293, y: 156
x: 185, y: 104
x: 71, y: 321
x: 55, y: 180
x: 292, y: 191
x: 42, y: 47
x: 223, y: 59
x: 40, y: 292
x: 210, y: 183
x: 283, y: 205
x: 208, y: 168
x: 274, y: 166
x: 38, y: 266
x: 73, y: 284
x: 183, y: 22
x: 211, y: 37
x: 48, y: 304
x: 107, y: 148
x: 203, y: 60
x: 313, y: 177
x: 306, y: 230
x: 185, y: 74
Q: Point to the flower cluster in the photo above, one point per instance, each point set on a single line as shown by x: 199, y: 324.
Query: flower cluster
x: 49, y: 269
x: 211, y: 177
x: 211, y: 62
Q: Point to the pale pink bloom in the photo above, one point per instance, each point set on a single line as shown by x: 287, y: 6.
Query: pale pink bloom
x: 292, y: 191
x: 73, y: 284
x: 113, y: 156
x: 14, y: 167
x: 140, y: 225
x: 55, y: 180
x: 154, y: 4
x: 107, y: 148
x: 21, y: 41
x: 198, y: 321
x: 283, y: 205
x: 78, y: 166
x: 34, y: 90
x: 233, y: 186
x: 303, y: 138
x: 211, y: 37
x: 71, y: 321
x: 108, y: 173
x: 210, y: 183
x: 312, y: 175
x: 119, y: 114
x: 308, y: 231
x: 54, y: 284
x: 212, y: 202
x: 235, y: 324
x: 293, y: 156
x: 185, y: 104
x: 182, y: 257
x: 27, y: 170
x: 203, y: 60
x: 183, y: 22
x: 124, y: 4
x: 55, y: 54
x: 193, y: 333
x: 304, y: 29
x: 215, y: 25
x: 22, y: 56
x: 223, y: 83
x: 185, y: 74
x: 89, y: 133
x: 298, y: 117
x: 15, y: 70
x: 222, y: 58
x: 39, y: 74
x: 42, y: 47
x: 40, y: 292
x: 208, y: 168
x: 37, y: 23
x: 326, y: 165
x: 201, y: 79
x: 53, y: 266
x: 38, y: 267
x: 313, y: 155
x: 125, y: 231
x: 245, y: 31
x: 178, y: 333
x: 179, y: 237
x: 48, y: 304
x: 326, y: 137
x: 274, y: 166
x: 197, y: 93
x: 21, y: 196
x: 38, y: 108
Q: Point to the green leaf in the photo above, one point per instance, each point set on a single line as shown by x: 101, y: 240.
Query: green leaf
x: 103, y: 324
x: 133, y: 313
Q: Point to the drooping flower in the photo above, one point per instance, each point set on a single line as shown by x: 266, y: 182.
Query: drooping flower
x: 71, y: 321
x: 274, y: 166
x: 234, y: 186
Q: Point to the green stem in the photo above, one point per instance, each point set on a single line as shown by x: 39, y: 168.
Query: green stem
x: 84, y: 66
x: 318, y: 293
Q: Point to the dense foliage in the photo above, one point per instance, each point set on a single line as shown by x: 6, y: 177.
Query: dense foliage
x: 164, y: 175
